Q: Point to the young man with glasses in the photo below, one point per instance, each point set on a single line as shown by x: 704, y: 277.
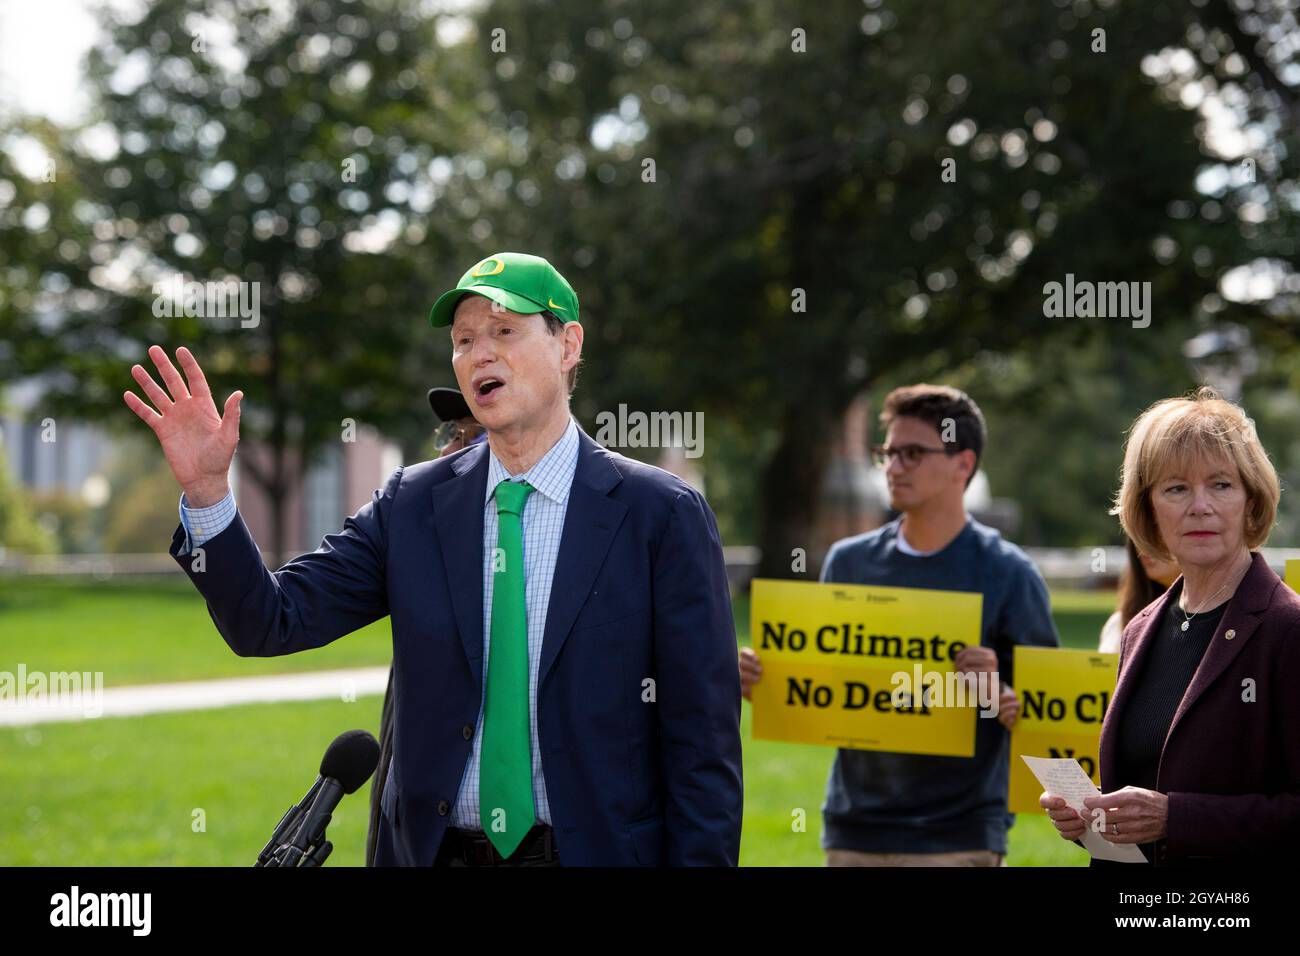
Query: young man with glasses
x: 890, y: 809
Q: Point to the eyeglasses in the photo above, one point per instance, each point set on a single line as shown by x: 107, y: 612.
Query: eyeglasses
x: 910, y: 455
x: 451, y: 431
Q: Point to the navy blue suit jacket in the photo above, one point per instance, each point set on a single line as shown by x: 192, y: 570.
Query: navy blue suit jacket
x: 638, y: 705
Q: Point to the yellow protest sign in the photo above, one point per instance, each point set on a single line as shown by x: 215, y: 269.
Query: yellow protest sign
x: 868, y: 668
x: 1293, y: 573
x: 1063, y: 698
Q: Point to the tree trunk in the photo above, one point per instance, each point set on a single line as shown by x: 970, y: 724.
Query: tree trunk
x: 790, y: 492
x: 276, y: 495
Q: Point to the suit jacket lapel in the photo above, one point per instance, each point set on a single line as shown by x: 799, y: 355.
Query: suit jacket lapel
x: 458, y: 523
x: 1242, y: 616
x: 591, y: 520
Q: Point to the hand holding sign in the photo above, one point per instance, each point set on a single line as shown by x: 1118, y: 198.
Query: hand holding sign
x: 1008, y: 707
x: 750, y: 671
x: 974, y: 660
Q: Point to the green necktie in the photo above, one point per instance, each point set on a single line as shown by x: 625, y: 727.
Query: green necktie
x: 505, y: 762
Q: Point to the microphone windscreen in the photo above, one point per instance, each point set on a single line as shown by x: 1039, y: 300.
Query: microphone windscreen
x: 351, y: 759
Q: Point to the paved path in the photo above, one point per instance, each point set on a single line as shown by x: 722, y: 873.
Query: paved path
x: 198, y: 695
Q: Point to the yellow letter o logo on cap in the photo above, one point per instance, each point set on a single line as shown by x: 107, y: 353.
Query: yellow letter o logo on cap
x: 480, y: 270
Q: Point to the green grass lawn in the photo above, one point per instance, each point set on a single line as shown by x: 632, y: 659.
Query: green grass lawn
x: 123, y: 791
x: 139, y: 632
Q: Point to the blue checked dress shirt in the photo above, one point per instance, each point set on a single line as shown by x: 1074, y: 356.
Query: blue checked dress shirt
x: 543, y: 525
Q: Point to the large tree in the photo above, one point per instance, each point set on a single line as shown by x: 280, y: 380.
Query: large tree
x: 310, y: 149
x: 800, y: 152
x: 751, y: 199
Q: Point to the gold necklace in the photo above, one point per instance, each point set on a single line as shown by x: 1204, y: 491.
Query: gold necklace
x: 1188, y: 620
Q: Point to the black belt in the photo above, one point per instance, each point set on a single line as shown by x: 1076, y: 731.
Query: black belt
x: 475, y: 849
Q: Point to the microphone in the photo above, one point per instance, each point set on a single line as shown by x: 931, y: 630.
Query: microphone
x: 348, y: 763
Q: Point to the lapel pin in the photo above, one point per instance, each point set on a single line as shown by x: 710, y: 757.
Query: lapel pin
x: 1229, y: 634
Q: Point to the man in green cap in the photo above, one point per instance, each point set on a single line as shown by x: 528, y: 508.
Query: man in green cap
x: 564, y: 678
x: 521, y: 293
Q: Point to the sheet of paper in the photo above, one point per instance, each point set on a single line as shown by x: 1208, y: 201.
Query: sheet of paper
x: 1065, y: 778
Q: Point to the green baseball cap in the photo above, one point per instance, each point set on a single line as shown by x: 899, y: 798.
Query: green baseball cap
x: 514, y: 280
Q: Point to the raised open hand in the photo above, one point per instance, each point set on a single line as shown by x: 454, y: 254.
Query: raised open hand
x: 197, y: 442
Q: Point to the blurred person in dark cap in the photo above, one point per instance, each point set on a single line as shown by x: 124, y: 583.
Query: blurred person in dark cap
x: 457, y: 429
x: 457, y: 426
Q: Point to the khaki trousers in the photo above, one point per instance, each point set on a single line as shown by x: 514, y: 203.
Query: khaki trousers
x: 958, y: 858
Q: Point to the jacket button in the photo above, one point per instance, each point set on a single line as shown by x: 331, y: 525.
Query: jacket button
x: 443, y: 807
x: 467, y: 731
x: 1230, y: 634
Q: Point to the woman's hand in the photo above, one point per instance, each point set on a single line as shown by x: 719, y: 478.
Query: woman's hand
x: 1065, y: 818
x: 1140, y: 816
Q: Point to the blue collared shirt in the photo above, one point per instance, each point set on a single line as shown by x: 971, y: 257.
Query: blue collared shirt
x: 204, y: 524
x: 543, y: 524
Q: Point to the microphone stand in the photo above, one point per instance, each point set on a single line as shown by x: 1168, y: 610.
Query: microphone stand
x: 273, y: 852
x: 318, y: 854
x: 308, y: 846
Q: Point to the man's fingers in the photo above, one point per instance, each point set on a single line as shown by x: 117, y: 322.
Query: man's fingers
x: 175, y: 384
x: 151, y: 388
x: 230, y: 415
x: 975, y: 659
x: 145, y: 413
x: 198, y: 385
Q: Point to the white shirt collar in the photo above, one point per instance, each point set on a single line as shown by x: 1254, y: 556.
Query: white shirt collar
x: 552, y: 476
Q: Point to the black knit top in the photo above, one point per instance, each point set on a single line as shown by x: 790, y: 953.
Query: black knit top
x: 1163, y: 680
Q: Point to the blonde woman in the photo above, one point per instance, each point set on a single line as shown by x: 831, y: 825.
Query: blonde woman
x: 1200, y: 747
